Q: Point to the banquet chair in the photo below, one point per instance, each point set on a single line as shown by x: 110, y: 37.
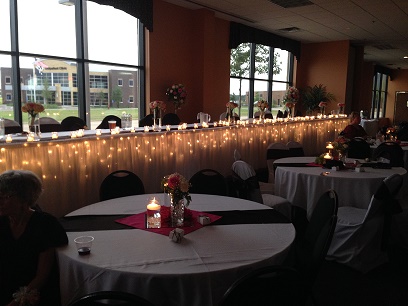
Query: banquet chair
x: 120, y: 183
x: 171, y: 119
x: 48, y: 124
x: 391, y: 151
x: 208, y: 181
x: 268, y: 114
x: 110, y: 298
x: 279, y: 114
x: 223, y: 116
x: 12, y: 127
x: 295, y: 149
x: 358, y: 148
x: 360, y: 237
x: 146, y: 121
x: 271, y: 285
x: 275, y: 151
x: 104, y: 123
x: 72, y: 123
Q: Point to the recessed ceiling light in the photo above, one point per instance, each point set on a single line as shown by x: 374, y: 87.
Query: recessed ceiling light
x: 405, y: 57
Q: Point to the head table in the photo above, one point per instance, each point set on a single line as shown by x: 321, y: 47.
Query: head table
x: 196, y: 271
x: 72, y: 169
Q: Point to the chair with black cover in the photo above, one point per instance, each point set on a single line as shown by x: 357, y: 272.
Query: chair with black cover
x: 48, y: 124
x: 12, y: 127
x: 271, y: 285
x: 209, y: 181
x: 295, y: 149
x: 72, y: 123
x: 275, y: 151
x: 171, y: 119
x: 111, y: 298
x: 358, y: 148
x: 361, y: 236
x: 223, y: 116
x: 120, y: 183
x: 146, y: 121
x: 105, y: 125
x: 392, y: 151
x: 268, y: 114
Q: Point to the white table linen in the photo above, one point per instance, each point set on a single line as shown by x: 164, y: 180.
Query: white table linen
x: 302, y: 186
x: 195, y: 272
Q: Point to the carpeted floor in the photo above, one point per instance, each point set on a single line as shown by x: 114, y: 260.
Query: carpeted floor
x: 387, y: 285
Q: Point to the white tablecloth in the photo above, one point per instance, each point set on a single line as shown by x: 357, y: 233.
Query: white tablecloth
x: 302, y: 186
x: 195, y: 272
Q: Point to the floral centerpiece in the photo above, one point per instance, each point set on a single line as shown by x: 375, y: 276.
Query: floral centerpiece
x: 341, y: 146
x: 157, y: 105
x: 176, y: 186
x: 262, y: 106
x: 231, y: 105
x: 177, y: 94
x: 33, y: 110
x: 291, y: 98
x: 341, y: 107
x: 322, y: 106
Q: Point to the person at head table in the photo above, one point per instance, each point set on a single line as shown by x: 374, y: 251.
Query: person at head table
x: 28, y: 238
x: 354, y: 129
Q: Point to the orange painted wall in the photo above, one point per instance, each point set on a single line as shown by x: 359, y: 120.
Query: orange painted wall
x: 327, y: 64
x: 189, y: 47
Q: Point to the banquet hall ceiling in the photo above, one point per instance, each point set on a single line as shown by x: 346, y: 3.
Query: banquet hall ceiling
x: 381, y: 26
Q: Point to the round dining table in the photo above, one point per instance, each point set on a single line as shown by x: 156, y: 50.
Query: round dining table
x: 196, y: 271
x: 303, y: 185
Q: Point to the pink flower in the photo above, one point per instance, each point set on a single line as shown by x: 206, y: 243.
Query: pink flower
x: 322, y: 104
x: 174, y: 181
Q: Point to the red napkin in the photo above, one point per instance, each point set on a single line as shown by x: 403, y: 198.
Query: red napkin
x: 190, y: 216
x: 314, y: 165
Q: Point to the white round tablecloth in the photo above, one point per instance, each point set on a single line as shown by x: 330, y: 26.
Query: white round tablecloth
x: 196, y: 271
x: 302, y: 186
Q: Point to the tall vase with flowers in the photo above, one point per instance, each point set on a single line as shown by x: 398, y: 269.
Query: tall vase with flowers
x: 262, y: 106
x: 33, y: 110
x: 290, y: 99
x: 176, y: 186
x: 177, y: 94
x: 231, y: 105
x: 341, y: 108
x: 322, y: 106
x: 157, y: 108
x: 341, y: 145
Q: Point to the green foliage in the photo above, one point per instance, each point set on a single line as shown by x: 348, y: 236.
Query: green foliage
x: 116, y: 96
x: 312, y: 96
x: 240, y: 60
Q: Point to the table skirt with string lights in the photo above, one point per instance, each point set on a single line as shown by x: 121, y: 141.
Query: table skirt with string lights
x: 72, y: 169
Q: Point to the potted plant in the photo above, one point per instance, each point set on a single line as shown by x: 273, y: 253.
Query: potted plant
x: 312, y: 96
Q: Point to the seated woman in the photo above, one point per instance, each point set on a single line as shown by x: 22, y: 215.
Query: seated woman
x: 28, y: 238
x: 354, y: 129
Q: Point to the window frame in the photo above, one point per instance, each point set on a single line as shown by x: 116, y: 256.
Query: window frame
x: 379, y: 95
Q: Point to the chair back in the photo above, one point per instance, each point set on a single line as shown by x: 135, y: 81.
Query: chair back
x: 271, y: 285
x: 48, y: 124
x: 147, y: 120
x: 277, y: 150
x: 209, y: 181
x: 295, y: 149
x: 121, y: 183
x: 171, y: 119
x: 12, y: 126
x: 358, y: 148
x: 105, y: 124
x: 223, y: 116
x: 111, y: 298
x: 391, y: 151
x: 72, y: 123
x: 312, y: 249
x: 246, y: 182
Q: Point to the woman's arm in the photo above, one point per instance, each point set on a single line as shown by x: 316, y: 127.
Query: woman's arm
x: 45, y: 263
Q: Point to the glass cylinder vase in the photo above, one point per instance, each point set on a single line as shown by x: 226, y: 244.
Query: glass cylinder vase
x: 157, y: 119
x: 34, y: 124
x: 292, y: 110
x: 176, y: 211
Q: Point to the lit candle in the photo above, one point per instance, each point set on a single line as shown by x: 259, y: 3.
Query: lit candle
x: 30, y: 137
x: 168, y: 128
x: 196, y: 125
x: 54, y: 135
x: 329, y: 146
x: 9, y: 139
x: 132, y: 129
x: 205, y: 125
x: 153, y: 217
x: 146, y: 128
x: 327, y: 156
x: 73, y: 135
x: 98, y: 132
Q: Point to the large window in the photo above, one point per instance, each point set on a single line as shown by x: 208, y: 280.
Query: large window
x: 379, y: 99
x: 259, y: 72
x: 72, y: 67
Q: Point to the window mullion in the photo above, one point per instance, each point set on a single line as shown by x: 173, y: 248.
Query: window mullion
x: 15, y: 62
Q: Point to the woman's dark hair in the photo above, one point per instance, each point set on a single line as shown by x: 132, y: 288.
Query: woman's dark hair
x: 21, y: 183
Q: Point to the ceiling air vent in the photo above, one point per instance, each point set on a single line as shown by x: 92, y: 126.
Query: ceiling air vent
x: 290, y: 30
x: 384, y: 47
x: 291, y: 3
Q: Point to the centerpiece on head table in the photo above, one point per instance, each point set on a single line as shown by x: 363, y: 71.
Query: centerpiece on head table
x: 157, y: 108
x: 230, y: 116
x: 262, y: 106
x: 176, y: 186
x: 33, y: 110
x: 177, y: 94
x: 290, y: 99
